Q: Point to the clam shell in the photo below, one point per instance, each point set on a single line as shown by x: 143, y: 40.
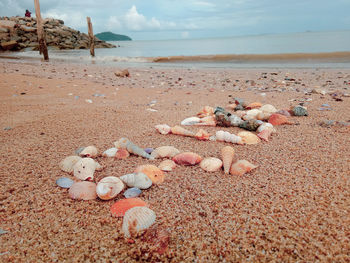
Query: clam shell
x: 132, y: 192
x: 167, y: 165
x: 139, y: 180
x: 153, y: 172
x: 241, y: 167
x: 109, y: 187
x: 278, y: 119
x: 90, y: 151
x: 211, y: 164
x: 268, y: 108
x: 202, y: 135
x: 187, y: 158
x: 178, y: 130
x: 84, y: 169
x: 111, y: 152
x: 64, y: 182
x: 163, y: 128
x: 248, y: 137
x: 68, y: 163
x: 122, y: 154
x: 190, y: 121
x: 227, y: 155
x: 136, y: 220
x: 83, y: 190
x: 119, y: 208
x: 165, y: 152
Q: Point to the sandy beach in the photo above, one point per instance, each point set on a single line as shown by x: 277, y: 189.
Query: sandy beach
x: 295, y: 207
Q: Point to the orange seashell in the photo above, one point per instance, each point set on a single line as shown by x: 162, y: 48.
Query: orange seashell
x: 265, y: 134
x: 207, y: 121
x: 122, y: 154
x: 254, y: 105
x: 119, y: 208
x: 153, y: 172
x: 206, y: 111
x: 83, y: 190
x: 278, y: 119
x: 167, y: 165
x: 241, y: 167
x: 249, y: 137
x: 178, y: 130
x: 187, y: 158
x: 202, y: 135
x: 227, y: 154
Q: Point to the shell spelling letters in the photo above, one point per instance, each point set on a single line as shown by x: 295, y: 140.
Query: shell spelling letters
x: 227, y: 155
x: 125, y: 143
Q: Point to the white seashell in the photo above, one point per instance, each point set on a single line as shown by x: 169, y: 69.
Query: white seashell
x: 167, y: 165
x: 268, y: 108
x: 191, y: 121
x: 111, y: 152
x: 68, y: 163
x: 220, y: 135
x: 139, y: 180
x: 165, y: 152
x: 137, y: 219
x: 84, y: 169
x: 264, y: 116
x: 225, y: 136
x: 252, y: 114
x: 266, y: 125
x: 163, y: 128
x: 109, y: 187
x: 90, y: 151
x: 211, y: 164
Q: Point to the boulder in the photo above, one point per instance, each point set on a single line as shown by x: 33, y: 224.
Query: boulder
x: 7, y: 24
x: 10, y: 45
x: 27, y: 28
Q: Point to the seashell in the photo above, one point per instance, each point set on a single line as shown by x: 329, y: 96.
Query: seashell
x: 284, y: 112
x: 167, y: 165
x: 202, y: 135
x: 148, y: 150
x: 136, y: 220
x: 139, y: 180
x: 206, y: 111
x: 178, y: 130
x: 278, y: 119
x: 153, y: 172
x: 268, y: 108
x: 263, y: 116
x: 119, y: 208
x: 163, y: 128
x: 64, y: 182
x: 254, y: 105
x: 207, y: 121
x: 68, y: 163
x: 299, y: 111
x: 84, y: 169
x: 111, y: 152
x: 248, y: 137
x: 265, y: 134
x: 250, y: 125
x: 132, y: 192
x: 79, y: 150
x: 227, y: 155
x: 165, y: 152
x: 83, y: 190
x: 211, y: 164
x: 235, y: 120
x: 125, y: 143
x: 266, y: 126
x: 190, y: 121
x: 240, y: 113
x: 187, y: 158
x: 225, y: 136
x: 90, y: 151
x: 122, y: 154
x: 252, y: 114
x: 109, y: 187
x: 222, y: 117
x: 241, y: 167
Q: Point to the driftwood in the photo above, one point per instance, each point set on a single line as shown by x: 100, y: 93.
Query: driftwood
x: 91, y: 37
x: 40, y: 31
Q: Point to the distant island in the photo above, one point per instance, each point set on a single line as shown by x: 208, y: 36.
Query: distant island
x: 109, y: 36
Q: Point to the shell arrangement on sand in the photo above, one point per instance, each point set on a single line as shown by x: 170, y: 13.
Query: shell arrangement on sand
x: 83, y: 190
x: 119, y: 208
x: 163, y: 128
x: 111, y: 152
x: 137, y: 219
x: 227, y: 155
x: 153, y: 172
x: 109, y: 187
x: 68, y: 163
x: 125, y: 143
x: 190, y: 121
x: 241, y: 167
x: 90, y: 151
x: 167, y: 165
x: 165, y: 152
x: 139, y: 180
x: 178, y: 130
x: 248, y: 137
x: 224, y: 136
x: 211, y: 164
x: 187, y: 158
x: 85, y: 168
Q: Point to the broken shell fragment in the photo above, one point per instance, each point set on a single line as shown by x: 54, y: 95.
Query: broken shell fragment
x: 84, y: 169
x: 190, y: 121
x: 202, y: 135
x: 68, y: 163
x: 187, y: 158
x: 167, y: 165
x: 227, y: 155
x: 109, y: 187
x: 248, y: 137
x: 211, y: 164
x: 178, y: 130
x: 139, y: 180
x: 64, y: 182
x: 136, y: 220
x: 90, y: 151
x: 241, y: 167
x: 83, y: 190
x: 153, y: 172
x: 163, y: 128
x: 111, y: 152
x: 165, y: 152
x: 119, y: 208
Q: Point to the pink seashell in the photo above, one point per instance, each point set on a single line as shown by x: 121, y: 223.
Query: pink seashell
x: 187, y: 158
x: 137, y: 219
x: 83, y: 190
x: 211, y: 164
x: 241, y: 167
x: 163, y: 128
x: 109, y: 187
x: 167, y: 165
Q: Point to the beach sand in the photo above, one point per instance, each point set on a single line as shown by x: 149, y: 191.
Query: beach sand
x: 295, y: 207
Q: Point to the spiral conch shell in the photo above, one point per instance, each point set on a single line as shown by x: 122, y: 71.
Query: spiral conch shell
x: 109, y: 187
x: 225, y: 136
x: 241, y: 167
x: 249, y: 137
x: 90, y: 151
x: 68, y: 163
x: 137, y: 219
x: 83, y: 190
x: 139, y: 180
x: 211, y: 164
x: 178, y: 130
x: 85, y: 168
x: 227, y: 154
x: 167, y: 165
x: 163, y: 128
x: 153, y: 172
x: 125, y: 143
x: 165, y: 152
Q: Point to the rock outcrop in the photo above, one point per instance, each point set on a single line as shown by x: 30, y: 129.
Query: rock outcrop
x: 17, y: 33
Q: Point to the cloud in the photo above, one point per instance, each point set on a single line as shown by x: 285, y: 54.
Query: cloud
x: 73, y: 19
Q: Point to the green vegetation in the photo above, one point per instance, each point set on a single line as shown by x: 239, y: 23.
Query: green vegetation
x: 109, y: 36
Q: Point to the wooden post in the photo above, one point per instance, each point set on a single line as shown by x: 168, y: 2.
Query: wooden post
x: 91, y: 37
x: 40, y: 31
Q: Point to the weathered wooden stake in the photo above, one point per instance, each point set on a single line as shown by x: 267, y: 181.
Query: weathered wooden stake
x: 91, y: 37
x: 40, y: 31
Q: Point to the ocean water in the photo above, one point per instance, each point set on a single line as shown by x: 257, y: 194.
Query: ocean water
x: 308, y: 49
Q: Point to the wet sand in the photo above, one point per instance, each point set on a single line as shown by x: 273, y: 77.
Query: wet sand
x: 295, y: 207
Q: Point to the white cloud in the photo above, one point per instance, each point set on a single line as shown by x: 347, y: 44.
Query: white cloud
x: 74, y: 20
x: 114, y: 23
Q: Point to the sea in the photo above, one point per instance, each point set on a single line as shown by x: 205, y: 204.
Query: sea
x: 299, y: 50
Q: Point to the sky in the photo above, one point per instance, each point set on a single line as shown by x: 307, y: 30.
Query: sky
x: 178, y: 19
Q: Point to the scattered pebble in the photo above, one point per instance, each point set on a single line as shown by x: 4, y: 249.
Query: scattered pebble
x: 132, y: 192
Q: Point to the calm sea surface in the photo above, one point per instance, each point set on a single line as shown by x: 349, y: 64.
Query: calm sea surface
x: 222, y: 52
